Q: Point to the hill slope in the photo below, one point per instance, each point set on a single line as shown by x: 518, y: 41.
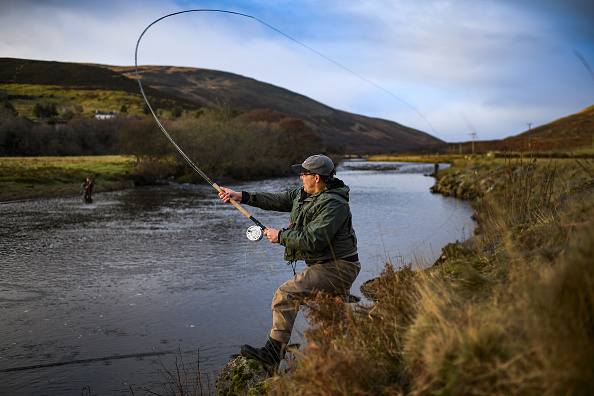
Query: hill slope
x: 580, y: 124
x: 341, y: 132
x: 573, y: 131
x: 75, y: 76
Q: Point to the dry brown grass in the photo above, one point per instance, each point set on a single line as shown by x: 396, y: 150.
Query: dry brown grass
x: 510, y: 314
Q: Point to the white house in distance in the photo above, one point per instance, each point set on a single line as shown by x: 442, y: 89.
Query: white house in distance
x: 104, y: 115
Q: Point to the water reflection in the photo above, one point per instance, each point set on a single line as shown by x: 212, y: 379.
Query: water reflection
x: 162, y: 269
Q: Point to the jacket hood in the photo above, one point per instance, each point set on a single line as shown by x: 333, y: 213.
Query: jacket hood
x: 337, y: 186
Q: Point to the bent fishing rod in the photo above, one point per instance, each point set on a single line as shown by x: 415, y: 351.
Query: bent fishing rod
x: 255, y: 232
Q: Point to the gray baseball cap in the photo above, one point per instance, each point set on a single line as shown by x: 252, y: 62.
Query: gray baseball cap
x: 319, y: 164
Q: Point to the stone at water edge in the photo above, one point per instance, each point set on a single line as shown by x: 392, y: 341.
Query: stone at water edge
x: 239, y: 376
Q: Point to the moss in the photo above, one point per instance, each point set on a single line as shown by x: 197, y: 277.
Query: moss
x: 260, y: 389
x: 254, y: 365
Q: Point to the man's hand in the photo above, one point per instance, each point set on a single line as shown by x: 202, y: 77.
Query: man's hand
x: 227, y: 194
x: 272, y: 234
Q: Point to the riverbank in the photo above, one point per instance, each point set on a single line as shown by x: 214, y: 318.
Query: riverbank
x: 506, y: 312
x: 45, y: 177
x: 509, y: 311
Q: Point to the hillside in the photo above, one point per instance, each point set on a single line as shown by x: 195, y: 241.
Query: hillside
x: 580, y: 124
x: 575, y: 131
x: 191, y: 88
x: 72, y: 76
x: 341, y: 131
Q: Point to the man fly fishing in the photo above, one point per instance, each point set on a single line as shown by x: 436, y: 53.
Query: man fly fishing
x: 88, y: 189
x: 320, y: 233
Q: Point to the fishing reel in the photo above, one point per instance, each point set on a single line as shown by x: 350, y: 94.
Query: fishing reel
x: 254, y: 233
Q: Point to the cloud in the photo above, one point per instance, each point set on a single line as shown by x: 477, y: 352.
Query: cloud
x: 503, y: 63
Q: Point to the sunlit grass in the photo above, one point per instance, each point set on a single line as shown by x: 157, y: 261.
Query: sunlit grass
x: 431, y: 159
x: 35, y: 177
x: 75, y: 100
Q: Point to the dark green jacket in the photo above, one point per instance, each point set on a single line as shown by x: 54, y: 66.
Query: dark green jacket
x: 320, y: 226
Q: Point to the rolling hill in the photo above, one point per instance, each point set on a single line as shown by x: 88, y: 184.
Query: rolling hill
x: 341, y: 132
x: 571, y: 132
x: 580, y: 124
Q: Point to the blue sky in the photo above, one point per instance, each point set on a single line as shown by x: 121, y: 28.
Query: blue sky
x: 446, y: 67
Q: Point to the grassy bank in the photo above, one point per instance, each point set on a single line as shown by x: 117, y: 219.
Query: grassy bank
x: 430, y: 159
x: 37, y: 177
x: 508, y: 312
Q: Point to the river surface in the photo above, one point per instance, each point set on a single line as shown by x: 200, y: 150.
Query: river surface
x: 93, y: 296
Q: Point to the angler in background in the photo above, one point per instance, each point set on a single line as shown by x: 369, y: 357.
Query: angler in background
x: 320, y: 232
x: 88, y: 190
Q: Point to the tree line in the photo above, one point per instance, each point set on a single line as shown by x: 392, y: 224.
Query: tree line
x: 224, y: 143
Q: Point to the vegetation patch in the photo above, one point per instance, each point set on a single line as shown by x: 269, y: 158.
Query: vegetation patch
x: 242, y: 377
x: 509, y: 311
x: 36, y: 177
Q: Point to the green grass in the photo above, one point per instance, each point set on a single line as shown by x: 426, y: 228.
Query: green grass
x: 36, y: 177
x: 72, y: 99
x: 87, y: 101
x: 432, y: 159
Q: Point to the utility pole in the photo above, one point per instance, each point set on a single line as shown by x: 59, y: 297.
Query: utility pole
x: 473, y: 135
x: 529, y: 125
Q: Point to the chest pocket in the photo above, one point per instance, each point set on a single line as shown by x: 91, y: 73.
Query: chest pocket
x: 304, y: 214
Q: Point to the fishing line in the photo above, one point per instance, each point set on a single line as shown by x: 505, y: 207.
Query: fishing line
x: 254, y: 232
x: 245, y: 261
x: 186, y: 158
x: 584, y: 62
x: 268, y: 277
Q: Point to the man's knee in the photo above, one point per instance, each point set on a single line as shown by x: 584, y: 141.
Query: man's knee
x: 284, y: 301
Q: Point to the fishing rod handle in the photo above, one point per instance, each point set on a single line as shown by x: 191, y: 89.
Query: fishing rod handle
x: 241, y: 209
x: 235, y: 203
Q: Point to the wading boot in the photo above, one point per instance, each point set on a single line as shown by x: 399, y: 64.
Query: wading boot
x: 269, y: 355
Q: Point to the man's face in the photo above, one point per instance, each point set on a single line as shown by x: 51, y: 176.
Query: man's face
x: 309, y: 182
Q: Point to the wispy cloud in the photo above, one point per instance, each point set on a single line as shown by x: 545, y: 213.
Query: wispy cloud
x: 501, y: 63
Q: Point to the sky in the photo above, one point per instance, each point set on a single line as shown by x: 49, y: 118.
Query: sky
x: 450, y: 68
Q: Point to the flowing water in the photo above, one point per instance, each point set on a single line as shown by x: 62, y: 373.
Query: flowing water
x: 93, y: 296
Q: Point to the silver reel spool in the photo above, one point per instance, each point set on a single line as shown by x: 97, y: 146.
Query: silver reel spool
x: 254, y: 233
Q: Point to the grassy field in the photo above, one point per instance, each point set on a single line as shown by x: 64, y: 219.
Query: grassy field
x: 431, y: 159
x: 37, y: 177
x: 75, y: 100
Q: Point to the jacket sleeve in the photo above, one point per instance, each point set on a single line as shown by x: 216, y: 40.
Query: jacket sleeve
x: 280, y: 201
x: 319, y: 231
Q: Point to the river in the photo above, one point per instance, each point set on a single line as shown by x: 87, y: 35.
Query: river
x: 93, y: 296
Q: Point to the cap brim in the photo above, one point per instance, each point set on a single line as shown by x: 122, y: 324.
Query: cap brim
x: 297, y: 168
